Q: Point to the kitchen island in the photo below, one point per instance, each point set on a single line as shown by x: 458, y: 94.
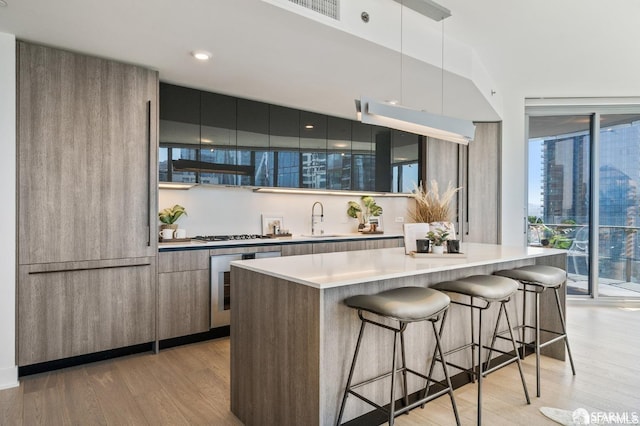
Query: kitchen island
x: 292, y: 338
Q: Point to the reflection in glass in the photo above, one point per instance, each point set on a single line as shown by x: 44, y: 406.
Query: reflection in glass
x: 619, y: 254
x: 558, y: 212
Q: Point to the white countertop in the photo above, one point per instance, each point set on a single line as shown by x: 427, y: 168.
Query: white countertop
x: 329, y: 270
x: 285, y: 240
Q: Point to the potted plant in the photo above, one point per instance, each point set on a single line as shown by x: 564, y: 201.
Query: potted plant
x: 363, y: 211
x: 438, y: 238
x: 170, y: 215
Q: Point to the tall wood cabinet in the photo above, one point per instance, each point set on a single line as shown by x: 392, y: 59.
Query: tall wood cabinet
x: 87, y: 180
x: 484, y: 185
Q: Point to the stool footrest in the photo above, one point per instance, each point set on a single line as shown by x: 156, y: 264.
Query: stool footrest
x: 445, y: 389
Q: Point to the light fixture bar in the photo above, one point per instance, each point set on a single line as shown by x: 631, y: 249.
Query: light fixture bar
x: 414, y: 121
x: 275, y: 190
x: 427, y: 8
x: 176, y: 185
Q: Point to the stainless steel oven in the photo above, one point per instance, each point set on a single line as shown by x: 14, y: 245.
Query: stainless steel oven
x: 221, y: 284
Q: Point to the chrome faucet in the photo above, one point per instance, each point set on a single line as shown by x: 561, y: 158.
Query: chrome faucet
x: 313, y: 217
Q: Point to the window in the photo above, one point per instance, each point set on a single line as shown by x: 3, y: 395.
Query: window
x: 583, y: 174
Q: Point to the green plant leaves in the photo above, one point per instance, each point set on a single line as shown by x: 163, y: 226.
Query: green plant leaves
x: 171, y: 215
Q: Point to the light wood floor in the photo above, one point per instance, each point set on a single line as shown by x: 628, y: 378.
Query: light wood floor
x: 190, y: 384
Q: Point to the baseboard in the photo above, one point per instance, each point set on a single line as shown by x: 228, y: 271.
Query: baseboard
x: 9, y: 377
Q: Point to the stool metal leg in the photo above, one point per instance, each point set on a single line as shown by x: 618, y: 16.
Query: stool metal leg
x: 446, y: 373
x: 473, y: 339
x: 537, y: 344
x: 433, y: 358
x: 392, y: 407
x: 479, y: 367
x: 353, y: 366
x: 495, y: 336
x: 404, y: 370
x: 515, y: 349
x: 523, y: 330
x: 564, y: 331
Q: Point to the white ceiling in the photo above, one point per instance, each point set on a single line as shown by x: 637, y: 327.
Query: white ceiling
x: 539, y: 48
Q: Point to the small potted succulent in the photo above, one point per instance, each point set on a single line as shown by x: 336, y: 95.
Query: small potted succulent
x: 438, y: 238
x: 170, y: 215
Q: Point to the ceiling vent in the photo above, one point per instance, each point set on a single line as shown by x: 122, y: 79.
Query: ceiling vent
x: 330, y: 8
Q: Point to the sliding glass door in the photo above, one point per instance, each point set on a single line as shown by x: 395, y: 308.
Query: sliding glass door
x: 559, y: 184
x: 583, y: 174
x: 619, y: 169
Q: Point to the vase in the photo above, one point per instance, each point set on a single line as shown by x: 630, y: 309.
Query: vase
x: 173, y: 226
x: 422, y: 246
x: 438, y: 249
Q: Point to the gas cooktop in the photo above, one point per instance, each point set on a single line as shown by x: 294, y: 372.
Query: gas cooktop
x: 210, y: 238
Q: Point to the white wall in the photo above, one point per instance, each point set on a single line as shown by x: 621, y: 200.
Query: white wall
x: 213, y: 210
x: 8, y: 368
x: 513, y: 172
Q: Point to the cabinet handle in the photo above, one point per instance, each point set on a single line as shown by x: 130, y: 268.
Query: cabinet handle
x: 149, y: 173
x: 89, y: 268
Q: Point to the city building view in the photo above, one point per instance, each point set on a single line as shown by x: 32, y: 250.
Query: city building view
x: 559, y: 203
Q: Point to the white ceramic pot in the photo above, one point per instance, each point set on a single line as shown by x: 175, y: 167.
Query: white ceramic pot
x: 437, y: 249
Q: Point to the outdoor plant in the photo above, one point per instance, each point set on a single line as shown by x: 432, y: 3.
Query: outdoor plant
x: 171, y: 214
x: 438, y: 237
x: 430, y: 205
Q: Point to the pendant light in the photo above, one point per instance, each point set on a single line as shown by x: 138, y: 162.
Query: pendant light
x: 411, y: 120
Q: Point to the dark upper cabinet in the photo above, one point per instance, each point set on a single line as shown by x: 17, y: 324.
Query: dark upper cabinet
x: 252, y: 124
x: 338, y: 153
x: 404, y: 154
x: 217, y: 121
x: 217, y: 156
x: 217, y: 139
x: 284, y: 128
x: 363, y: 157
x: 179, y: 133
x: 313, y: 149
x: 313, y: 131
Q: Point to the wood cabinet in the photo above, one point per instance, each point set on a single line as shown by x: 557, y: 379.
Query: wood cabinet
x: 87, y: 153
x: 483, y: 185
x: 87, y: 185
x: 296, y: 249
x: 78, y: 308
x: 183, y: 293
x: 364, y: 244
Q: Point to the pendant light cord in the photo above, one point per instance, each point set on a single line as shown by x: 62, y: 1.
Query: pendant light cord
x: 401, y: 53
x: 442, y: 74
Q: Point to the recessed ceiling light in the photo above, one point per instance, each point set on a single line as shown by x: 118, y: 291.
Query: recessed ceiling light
x: 200, y: 55
x: 309, y: 126
x: 206, y: 140
x: 3, y: 3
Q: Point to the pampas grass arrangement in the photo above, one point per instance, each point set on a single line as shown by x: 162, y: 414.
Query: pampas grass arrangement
x: 430, y: 205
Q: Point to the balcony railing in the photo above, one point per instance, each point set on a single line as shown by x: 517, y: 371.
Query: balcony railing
x: 619, y: 250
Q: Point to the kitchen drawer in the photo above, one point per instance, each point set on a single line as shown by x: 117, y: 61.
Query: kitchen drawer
x: 64, y: 313
x: 183, y: 303
x: 187, y: 260
x: 296, y: 249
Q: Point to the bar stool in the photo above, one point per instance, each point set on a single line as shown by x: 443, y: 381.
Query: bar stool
x: 405, y: 305
x: 536, y: 279
x: 488, y: 289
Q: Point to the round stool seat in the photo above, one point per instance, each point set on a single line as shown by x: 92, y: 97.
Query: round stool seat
x: 542, y: 275
x: 406, y: 304
x: 487, y: 287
